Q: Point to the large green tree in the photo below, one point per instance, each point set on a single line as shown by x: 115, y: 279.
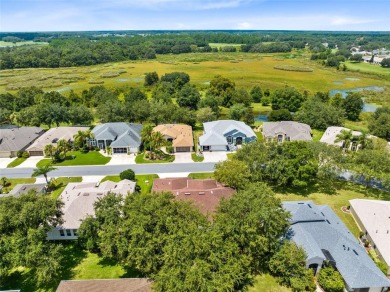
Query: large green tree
x: 189, y: 97
x: 379, y: 124
x: 287, y: 98
x: 353, y: 105
x: 233, y: 173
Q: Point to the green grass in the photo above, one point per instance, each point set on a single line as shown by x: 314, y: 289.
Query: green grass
x: 145, y: 181
x: 201, y: 175
x: 249, y: 69
x: 140, y: 159
x: 367, y: 68
x: 317, y: 134
x: 16, y: 162
x: 196, y: 158
x: 18, y: 44
x: 61, y: 182
x: 90, y: 158
x: 12, y: 182
x: 221, y: 45
x: 267, y: 283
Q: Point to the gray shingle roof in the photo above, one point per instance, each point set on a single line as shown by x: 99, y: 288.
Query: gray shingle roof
x: 16, y: 139
x: 122, y: 134
x: 214, y: 132
x: 352, y: 261
x: 294, y: 130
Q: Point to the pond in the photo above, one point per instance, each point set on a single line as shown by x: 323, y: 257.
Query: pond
x: 262, y: 118
x: 366, y: 107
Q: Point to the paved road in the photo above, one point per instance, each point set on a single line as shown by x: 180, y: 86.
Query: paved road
x: 113, y: 169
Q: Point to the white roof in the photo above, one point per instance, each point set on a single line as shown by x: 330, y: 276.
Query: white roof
x: 331, y: 133
x: 80, y: 197
x: 375, y: 216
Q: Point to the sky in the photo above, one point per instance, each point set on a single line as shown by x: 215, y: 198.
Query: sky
x: 81, y: 15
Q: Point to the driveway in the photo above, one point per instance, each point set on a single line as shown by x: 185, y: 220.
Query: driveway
x: 5, y: 161
x: 121, y: 159
x: 182, y: 157
x: 30, y: 162
x: 214, y: 156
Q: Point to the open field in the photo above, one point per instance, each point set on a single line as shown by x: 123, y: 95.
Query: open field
x: 19, y: 44
x: 245, y: 69
x: 367, y: 68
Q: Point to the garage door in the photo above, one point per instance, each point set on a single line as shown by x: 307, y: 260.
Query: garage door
x: 5, y: 154
x: 133, y: 149
x: 183, y: 149
x: 36, y: 153
x: 120, y: 150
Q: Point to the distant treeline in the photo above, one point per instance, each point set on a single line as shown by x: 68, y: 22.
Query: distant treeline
x: 89, y: 48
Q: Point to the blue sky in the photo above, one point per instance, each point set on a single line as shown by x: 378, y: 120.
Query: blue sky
x: 70, y: 15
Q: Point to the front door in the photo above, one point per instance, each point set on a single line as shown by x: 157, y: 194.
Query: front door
x: 238, y: 140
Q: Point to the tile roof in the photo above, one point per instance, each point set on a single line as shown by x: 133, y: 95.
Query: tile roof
x: 53, y: 135
x: 294, y: 130
x: 106, y: 285
x: 331, y: 133
x: 375, y: 216
x: 180, y: 133
x: 215, y: 132
x: 122, y: 134
x: 24, y: 188
x: 16, y: 139
x: 352, y: 261
x: 80, y: 197
x: 204, y: 193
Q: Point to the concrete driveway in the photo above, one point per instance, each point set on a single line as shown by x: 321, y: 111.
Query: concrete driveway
x: 5, y: 161
x: 121, y: 159
x: 30, y: 162
x: 214, y: 156
x: 182, y: 157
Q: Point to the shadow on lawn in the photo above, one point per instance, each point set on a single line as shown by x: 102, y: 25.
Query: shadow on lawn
x: 129, y: 271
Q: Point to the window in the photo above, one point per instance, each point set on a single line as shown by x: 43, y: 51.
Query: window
x: 229, y: 139
x: 68, y: 233
x: 280, y: 138
x: 75, y: 232
x: 287, y: 138
x: 62, y: 232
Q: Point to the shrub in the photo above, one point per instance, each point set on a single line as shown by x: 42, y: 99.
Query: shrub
x: 97, y: 148
x: 330, y: 280
x: 25, y: 154
x: 127, y: 174
x: 19, y: 154
x: 169, y: 149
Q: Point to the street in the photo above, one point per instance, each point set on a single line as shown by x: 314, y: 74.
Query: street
x: 104, y: 170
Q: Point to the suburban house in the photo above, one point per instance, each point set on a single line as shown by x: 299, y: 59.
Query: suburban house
x: 51, y: 137
x: 286, y: 131
x: 180, y: 135
x: 14, y: 139
x: 325, y: 239
x: 225, y: 135
x: 78, y: 201
x: 373, y: 218
x: 25, y: 188
x: 121, y: 137
x: 330, y: 136
x: 106, y: 285
x: 204, y: 193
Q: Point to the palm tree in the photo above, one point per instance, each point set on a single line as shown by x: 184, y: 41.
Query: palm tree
x: 81, y: 138
x: 157, y: 141
x: 146, y: 136
x: 346, y: 137
x: 363, y: 140
x: 4, y: 181
x: 43, y: 170
x: 49, y: 150
x: 63, y: 146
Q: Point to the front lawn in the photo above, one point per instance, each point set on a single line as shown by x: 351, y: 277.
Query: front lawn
x: 12, y: 182
x: 74, y: 158
x: 201, y: 175
x: 140, y: 159
x: 61, y: 182
x: 145, y: 181
x: 196, y: 158
x: 16, y: 162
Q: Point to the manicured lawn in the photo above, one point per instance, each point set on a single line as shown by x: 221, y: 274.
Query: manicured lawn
x: 267, y: 283
x: 140, y: 159
x: 196, y: 158
x: 12, y: 182
x: 317, y: 134
x: 201, y: 175
x: 16, y: 162
x: 145, y: 181
x: 62, y: 182
x: 90, y: 158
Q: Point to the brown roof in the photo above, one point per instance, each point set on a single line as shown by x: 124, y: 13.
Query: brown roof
x: 181, y: 134
x: 204, y: 193
x: 106, y: 285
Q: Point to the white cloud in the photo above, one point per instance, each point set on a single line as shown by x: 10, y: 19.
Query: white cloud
x: 348, y: 21
x: 244, y: 25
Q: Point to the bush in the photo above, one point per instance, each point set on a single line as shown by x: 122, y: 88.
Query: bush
x: 19, y: 154
x: 25, y: 154
x: 330, y: 280
x: 97, y: 148
x: 169, y: 149
x: 127, y: 174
